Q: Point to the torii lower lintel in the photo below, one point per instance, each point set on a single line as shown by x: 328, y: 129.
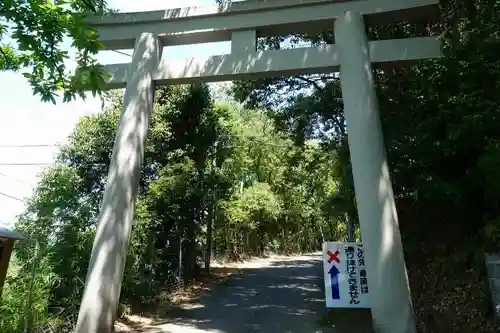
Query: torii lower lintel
x: 288, y: 62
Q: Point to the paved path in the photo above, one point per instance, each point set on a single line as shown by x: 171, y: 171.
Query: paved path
x: 280, y: 295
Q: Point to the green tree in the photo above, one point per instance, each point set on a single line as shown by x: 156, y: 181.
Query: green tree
x: 33, y: 35
x: 207, y: 166
x: 62, y: 213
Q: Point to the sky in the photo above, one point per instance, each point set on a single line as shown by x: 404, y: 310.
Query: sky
x: 25, y: 121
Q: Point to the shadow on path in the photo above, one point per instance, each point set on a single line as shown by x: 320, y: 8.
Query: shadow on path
x: 284, y: 296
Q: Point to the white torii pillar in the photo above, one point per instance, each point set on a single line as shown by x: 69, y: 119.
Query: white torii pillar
x: 107, y: 262
x: 392, y: 309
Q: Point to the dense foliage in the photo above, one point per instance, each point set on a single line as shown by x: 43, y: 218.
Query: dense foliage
x: 440, y: 122
x: 216, y: 166
x: 35, y: 36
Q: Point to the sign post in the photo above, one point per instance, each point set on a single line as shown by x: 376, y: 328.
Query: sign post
x: 346, y: 281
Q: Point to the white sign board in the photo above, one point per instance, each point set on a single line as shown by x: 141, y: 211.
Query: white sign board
x: 346, y: 283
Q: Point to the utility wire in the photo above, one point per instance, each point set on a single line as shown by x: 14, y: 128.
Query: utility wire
x: 14, y: 179
x: 25, y: 164
x: 11, y: 197
x: 122, y: 53
x: 30, y: 146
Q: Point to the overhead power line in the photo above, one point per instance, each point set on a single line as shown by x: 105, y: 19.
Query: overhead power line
x: 14, y: 179
x: 30, y: 146
x: 11, y: 197
x: 26, y: 164
x: 122, y: 53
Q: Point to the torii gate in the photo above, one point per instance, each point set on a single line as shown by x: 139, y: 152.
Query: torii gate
x: 242, y: 23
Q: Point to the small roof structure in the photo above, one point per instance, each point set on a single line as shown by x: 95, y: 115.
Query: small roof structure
x: 8, y: 233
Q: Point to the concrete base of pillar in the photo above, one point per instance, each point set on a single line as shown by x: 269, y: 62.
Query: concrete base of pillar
x: 493, y: 269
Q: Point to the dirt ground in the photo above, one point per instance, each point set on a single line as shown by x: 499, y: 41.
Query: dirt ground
x: 279, y: 294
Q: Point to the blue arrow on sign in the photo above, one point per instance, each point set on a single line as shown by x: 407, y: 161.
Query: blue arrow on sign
x: 334, y: 278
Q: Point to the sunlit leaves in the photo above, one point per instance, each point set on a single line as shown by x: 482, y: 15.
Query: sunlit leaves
x: 254, y: 205
x: 34, y: 36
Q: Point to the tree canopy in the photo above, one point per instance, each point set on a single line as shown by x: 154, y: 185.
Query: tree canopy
x: 439, y: 121
x: 206, y: 164
x: 35, y: 38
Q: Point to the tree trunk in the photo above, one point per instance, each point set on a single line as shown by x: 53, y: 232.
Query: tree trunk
x: 208, y: 250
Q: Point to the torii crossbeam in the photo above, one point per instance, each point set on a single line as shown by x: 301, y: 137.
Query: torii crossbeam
x: 242, y: 23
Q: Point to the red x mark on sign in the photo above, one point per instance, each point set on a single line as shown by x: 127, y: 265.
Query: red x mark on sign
x: 333, y: 256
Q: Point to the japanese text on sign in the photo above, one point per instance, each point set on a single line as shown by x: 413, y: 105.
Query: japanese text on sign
x: 352, y: 275
x: 346, y: 280
x: 363, y: 281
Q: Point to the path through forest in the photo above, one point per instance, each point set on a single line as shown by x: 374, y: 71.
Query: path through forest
x: 278, y: 295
